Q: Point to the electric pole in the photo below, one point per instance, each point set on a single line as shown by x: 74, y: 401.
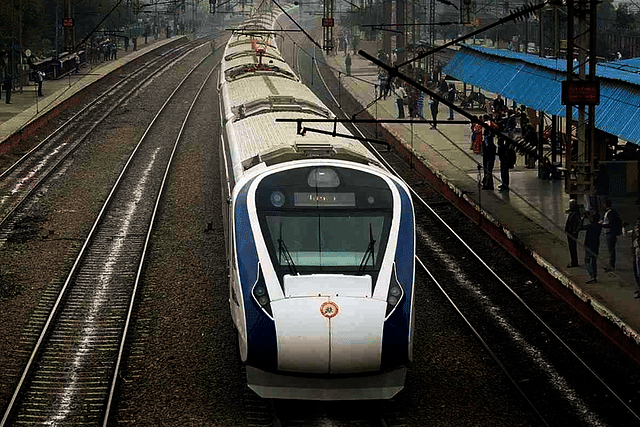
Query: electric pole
x: 327, y: 26
x: 67, y: 34
x: 581, y: 92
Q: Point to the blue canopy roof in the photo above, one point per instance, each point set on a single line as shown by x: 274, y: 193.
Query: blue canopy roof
x: 536, y: 82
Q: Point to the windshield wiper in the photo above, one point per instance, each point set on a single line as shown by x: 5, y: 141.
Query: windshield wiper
x: 369, y: 252
x: 282, y: 249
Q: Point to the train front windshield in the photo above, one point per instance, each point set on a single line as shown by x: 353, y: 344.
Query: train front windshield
x: 325, y: 220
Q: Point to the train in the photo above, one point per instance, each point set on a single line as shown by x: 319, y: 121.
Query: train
x: 320, y: 237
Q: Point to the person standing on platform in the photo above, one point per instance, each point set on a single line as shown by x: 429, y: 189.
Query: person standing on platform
x: 386, y: 84
x: 531, y: 141
x: 571, y: 227
x: 434, y: 106
x: 635, y: 251
x: 476, y: 137
x: 524, y: 119
x: 411, y: 104
x: 612, y: 225
x: 400, y: 96
x: 506, y: 162
x: 511, y: 124
x: 8, y: 82
x: 347, y: 64
x: 451, y: 97
x: 488, y: 156
x: 498, y: 106
x: 39, y: 79
x: 591, y: 244
x: 443, y: 87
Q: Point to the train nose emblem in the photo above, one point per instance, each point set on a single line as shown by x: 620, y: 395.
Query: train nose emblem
x: 329, y: 309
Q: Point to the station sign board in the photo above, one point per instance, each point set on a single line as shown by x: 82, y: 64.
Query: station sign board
x: 580, y: 92
x: 327, y: 22
x: 67, y: 22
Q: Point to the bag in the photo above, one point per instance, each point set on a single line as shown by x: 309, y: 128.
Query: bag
x: 615, y: 223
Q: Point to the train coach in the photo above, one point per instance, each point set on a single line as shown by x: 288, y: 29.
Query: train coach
x: 320, y: 238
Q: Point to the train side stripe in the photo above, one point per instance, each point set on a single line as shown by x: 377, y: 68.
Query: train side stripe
x: 261, y: 332
x: 397, y: 328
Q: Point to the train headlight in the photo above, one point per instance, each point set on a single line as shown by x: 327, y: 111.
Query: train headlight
x: 394, y: 295
x: 277, y: 199
x: 395, y: 291
x: 261, y: 296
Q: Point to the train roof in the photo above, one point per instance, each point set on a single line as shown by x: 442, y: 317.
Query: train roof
x: 255, y: 96
x: 276, y: 89
x: 263, y: 140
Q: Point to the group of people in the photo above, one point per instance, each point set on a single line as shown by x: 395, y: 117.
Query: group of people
x: 404, y: 95
x: 602, y: 221
x: 105, y: 51
x: 483, y: 142
x: 414, y: 98
x: 10, y: 76
x: 610, y: 226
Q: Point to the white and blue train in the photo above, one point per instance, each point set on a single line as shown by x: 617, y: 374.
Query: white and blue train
x: 320, y: 238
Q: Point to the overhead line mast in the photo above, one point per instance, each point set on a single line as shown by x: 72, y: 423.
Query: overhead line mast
x: 581, y: 167
x: 327, y: 26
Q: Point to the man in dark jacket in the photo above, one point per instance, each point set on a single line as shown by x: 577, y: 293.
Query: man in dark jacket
x: 451, y: 97
x: 434, y: 104
x: 571, y: 227
x: 612, y: 225
x: 505, y: 164
x: 488, y: 154
x: 443, y: 86
x: 591, y: 244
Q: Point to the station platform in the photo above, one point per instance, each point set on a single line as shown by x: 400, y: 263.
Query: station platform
x: 27, y: 110
x: 528, y: 220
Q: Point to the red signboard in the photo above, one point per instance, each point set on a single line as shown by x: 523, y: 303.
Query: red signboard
x: 67, y: 22
x: 580, y: 92
x: 327, y: 22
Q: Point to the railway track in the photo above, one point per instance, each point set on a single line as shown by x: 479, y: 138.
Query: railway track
x: 18, y: 183
x: 72, y: 373
x: 560, y: 386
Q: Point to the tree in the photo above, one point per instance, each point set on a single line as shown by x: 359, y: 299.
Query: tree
x: 624, y: 20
